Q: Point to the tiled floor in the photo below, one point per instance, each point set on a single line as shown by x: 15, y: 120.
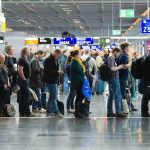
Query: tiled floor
x: 95, y: 133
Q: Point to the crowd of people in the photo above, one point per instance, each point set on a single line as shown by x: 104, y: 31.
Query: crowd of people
x: 43, y: 73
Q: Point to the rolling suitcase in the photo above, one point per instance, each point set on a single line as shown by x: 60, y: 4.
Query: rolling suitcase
x: 99, y: 87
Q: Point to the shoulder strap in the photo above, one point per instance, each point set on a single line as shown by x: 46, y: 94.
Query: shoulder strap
x: 88, y: 59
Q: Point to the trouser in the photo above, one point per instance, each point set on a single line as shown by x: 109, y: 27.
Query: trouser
x: 37, y: 104
x: 79, y: 99
x: 65, y: 86
x: 123, y: 86
x: 52, y: 106
x: 70, y: 99
x: 144, y: 105
x: 114, y: 93
x: 43, y: 97
x: 91, y: 81
x: 24, y: 102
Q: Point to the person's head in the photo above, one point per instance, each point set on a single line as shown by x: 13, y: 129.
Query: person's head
x: 125, y: 47
x: 87, y: 52
x: 116, y: 52
x: 25, y: 52
x: 2, y: 58
x: 57, y: 53
x: 75, y: 53
x: 39, y: 54
x: 9, y: 50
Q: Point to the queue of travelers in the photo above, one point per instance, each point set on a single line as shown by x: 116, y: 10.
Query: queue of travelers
x: 43, y: 74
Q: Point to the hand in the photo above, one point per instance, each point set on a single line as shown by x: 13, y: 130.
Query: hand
x: 121, y: 67
x: 60, y: 72
x: 5, y: 86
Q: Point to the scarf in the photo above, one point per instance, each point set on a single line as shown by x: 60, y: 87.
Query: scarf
x: 80, y: 62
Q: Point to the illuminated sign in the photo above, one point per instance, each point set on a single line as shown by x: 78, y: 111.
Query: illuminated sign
x: 65, y: 41
x: 31, y: 41
x: 127, y: 13
x: 145, y: 26
x: 82, y: 41
x: 44, y: 40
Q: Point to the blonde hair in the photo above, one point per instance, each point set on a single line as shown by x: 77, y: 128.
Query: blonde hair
x: 1, y: 64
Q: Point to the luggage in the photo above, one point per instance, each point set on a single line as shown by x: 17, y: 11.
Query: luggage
x: 99, y: 87
x: 8, y: 111
x: 61, y: 107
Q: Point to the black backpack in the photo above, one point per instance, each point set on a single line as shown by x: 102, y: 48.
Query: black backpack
x: 105, y: 72
x: 86, y: 64
x: 137, y: 69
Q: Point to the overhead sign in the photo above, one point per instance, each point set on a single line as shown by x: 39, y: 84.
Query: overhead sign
x: 44, y: 40
x: 82, y: 41
x: 2, y: 23
x: 31, y: 41
x: 116, y: 32
x: 65, y: 41
x: 145, y: 26
x: 104, y: 41
x: 127, y: 13
x: 1, y: 40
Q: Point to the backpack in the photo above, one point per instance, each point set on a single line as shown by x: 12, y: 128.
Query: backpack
x: 86, y: 64
x: 8, y: 111
x: 105, y: 72
x: 136, y: 68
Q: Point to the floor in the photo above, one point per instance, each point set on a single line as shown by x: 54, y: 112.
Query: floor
x: 94, y: 133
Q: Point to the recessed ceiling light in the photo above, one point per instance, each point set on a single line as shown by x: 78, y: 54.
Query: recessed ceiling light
x: 81, y: 27
x: 68, y: 10
x: 63, y: 5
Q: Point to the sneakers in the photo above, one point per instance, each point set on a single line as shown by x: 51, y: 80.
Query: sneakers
x: 70, y: 111
x: 121, y: 115
x: 58, y: 115
x: 111, y: 115
x: 42, y: 110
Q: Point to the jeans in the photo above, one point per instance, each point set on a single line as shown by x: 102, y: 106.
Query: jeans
x: 123, y: 86
x: 70, y: 99
x: 38, y: 104
x: 24, y: 103
x: 43, y: 97
x: 65, y: 84
x: 114, y: 93
x: 52, y: 102
x: 144, y: 105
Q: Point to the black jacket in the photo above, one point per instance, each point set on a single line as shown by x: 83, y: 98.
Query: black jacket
x: 36, y: 78
x: 3, y: 76
x: 146, y: 68
x: 51, y: 67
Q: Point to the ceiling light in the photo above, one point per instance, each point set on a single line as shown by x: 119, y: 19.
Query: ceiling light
x: 63, y: 5
x: 68, y: 10
x: 81, y: 27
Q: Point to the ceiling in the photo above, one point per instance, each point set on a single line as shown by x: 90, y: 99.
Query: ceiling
x: 79, y: 17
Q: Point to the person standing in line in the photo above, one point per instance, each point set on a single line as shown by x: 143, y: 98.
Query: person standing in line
x: 36, y: 81
x: 77, y: 79
x: 51, y: 75
x: 24, y: 73
x: 72, y: 93
x: 123, y: 59
x: 4, y: 83
x: 146, y: 79
x: 11, y: 69
x: 114, y: 86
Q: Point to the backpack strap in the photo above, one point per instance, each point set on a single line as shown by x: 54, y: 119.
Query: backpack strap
x: 88, y: 59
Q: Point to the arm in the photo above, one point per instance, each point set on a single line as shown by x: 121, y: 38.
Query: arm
x: 20, y: 72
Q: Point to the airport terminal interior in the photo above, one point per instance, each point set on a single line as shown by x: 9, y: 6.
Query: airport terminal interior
x: 54, y: 91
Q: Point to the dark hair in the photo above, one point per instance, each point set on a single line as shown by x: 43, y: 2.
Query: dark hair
x: 116, y: 50
x: 39, y: 52
x: 69, y: 59
x: 124, y: 45
x: 58, y: 51
x: 74, y: 53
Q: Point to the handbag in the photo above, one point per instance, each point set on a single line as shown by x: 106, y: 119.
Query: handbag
x: 86, y: 90
x: 144, y: 88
